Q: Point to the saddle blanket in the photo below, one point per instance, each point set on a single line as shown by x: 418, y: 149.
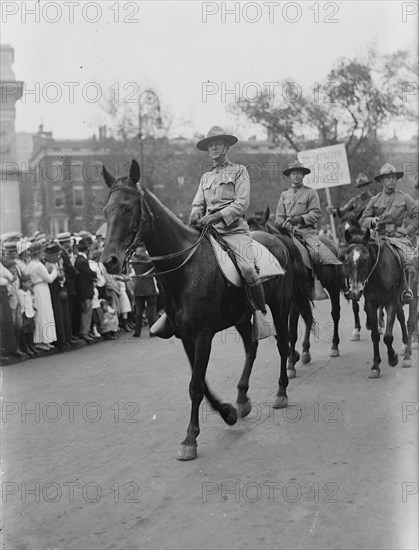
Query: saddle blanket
x: 267, y: 263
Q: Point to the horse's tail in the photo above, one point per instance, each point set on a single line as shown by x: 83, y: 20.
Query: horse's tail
x: 302, y: 289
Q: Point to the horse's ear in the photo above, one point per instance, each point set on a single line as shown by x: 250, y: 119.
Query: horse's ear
x: 134, y: 172
x: 367, y: 235
x: 109, y: 180
x: 266, y: 216
x: 348, y: 236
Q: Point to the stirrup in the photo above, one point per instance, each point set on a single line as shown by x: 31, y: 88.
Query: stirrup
x: 261, y: 326
x: 318, y: 292
x: 407, y: 296
x: 162, y: 328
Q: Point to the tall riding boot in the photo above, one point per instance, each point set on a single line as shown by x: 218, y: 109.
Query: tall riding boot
x: 257, y: 296
x: 407, y: 294
x: 162, y: 328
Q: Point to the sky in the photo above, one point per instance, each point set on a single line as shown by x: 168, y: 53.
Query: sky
x: 197, y: 56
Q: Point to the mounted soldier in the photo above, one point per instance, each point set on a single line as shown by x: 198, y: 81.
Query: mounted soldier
x: 222, y: 200
x: 395, y: 216
x: 299, y: 211
x: 357, y: 204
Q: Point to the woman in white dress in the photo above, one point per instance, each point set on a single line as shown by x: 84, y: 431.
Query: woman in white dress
x: 45, y: 332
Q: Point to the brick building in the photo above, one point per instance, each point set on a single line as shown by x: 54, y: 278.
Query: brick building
x: 66, y: 187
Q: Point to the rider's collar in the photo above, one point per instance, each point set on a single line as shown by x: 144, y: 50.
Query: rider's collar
x: 220, y: 166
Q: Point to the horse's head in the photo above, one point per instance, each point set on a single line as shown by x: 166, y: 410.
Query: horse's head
x: 122, y: 213
x: 356, y: 263
x: 349, y: 222
x: 259, y: 219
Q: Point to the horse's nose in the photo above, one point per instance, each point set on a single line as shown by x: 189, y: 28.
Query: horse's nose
x: 111, y: 264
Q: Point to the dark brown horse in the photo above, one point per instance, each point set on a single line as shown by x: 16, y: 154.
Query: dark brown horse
x: 331, y: 278
x: 349, y: 226
x: 199, y: 300
x: 373, y: 270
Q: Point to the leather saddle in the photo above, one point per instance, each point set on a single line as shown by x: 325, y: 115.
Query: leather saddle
x: 267, y: 265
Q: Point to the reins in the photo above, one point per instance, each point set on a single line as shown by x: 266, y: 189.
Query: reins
x: 376, y: 261
x: 130, y: 249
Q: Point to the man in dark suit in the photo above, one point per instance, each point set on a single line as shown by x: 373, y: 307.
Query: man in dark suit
x: 85, y: 289
x: 67, y: 256
x: 145, y: 290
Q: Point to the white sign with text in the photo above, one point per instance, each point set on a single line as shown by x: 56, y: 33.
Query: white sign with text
x: 328, y: 165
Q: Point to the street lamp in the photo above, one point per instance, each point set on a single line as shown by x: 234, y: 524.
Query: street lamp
x: 151, y: 99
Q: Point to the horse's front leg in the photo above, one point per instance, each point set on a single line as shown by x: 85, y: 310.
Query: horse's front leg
x: 388, y: 338
x: 356, y: 333
x: 411, y: 327
x: 280, y: 314
x: 244, y: 405
x: 226, y: 410
x: 402, y: 321
x: 202, y: 350
x: 335, y: 299
x: 371, y: 311
x: 294, y: 356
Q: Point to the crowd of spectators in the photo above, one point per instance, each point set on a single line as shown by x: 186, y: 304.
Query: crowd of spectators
x: 56, y: 293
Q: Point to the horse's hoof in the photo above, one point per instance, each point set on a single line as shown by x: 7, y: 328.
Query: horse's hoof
x: 374, y: 373
x: 243, y: 409
x: 306, y: 357
x: 187, y: 452
x: 291, y: 373
x: 394, y: 360
x: 407, y: 363
x: 228, y: 414
x: 355, y: 336
x: 281, y: 402
x: 334, y: 352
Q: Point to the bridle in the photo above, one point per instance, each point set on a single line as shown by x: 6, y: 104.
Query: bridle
x: 364, y: 284
x: 136, y: 233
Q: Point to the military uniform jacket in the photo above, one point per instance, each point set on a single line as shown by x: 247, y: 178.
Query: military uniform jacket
x: 299, y: 201
x: 225, y: 189
x: 398, y: 212
x: 357, y: 205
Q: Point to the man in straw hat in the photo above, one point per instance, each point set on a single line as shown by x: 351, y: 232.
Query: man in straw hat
x: 357, y: 204
x: 395, y: 216
x: 222, y: 199
x: 299, y: 209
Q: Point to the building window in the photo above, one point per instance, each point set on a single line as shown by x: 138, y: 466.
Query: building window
x: 58, y: 198
x: 78, y: 197
x: 78, y: 223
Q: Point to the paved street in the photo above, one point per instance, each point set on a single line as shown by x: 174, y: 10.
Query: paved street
x: 90, y: 439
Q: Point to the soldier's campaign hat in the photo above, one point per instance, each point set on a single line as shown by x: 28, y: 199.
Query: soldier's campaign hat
x: 295, y: 165
x: 387, y: 169
x: 362, y: 179
x: 22, y: 246
x: 64, y: 237
x: 215, y: 132
x: 52, y: 248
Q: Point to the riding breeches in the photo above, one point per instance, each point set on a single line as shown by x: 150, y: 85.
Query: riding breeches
x: 319, y: 252
x: 246, y: 255
x: 405, y: 251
